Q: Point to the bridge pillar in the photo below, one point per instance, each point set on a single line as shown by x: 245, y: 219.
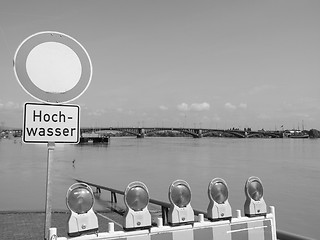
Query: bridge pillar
x: 198, y: 133
x: 141, y: 133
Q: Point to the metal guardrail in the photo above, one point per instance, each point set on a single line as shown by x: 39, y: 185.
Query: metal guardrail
x: 281, y: 235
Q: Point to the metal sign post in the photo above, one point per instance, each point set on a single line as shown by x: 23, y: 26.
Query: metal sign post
x: 50, y: 158
x: 54, y: 68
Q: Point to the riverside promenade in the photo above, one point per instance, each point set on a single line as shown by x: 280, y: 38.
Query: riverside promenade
x: 30, y: 225
x: 25, y: 225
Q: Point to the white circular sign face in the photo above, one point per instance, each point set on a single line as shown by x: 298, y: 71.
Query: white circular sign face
x: 52, y: 67
x: 55, y: 62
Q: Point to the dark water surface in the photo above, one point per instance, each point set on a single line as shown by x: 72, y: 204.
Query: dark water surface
x: 288, y: 168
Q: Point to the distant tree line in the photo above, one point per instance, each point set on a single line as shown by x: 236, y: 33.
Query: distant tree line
x: 314, y: 133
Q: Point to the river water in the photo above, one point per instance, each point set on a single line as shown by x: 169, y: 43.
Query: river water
x: 289, y: 170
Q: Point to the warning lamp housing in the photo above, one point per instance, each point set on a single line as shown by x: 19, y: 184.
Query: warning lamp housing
x: 180, y: 211
x: 219, y: 207
x: 80, y: 201
x: 136, y: 199
x: 254, y: 204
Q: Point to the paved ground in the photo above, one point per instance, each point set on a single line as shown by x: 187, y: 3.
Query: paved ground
x: 30, y: 225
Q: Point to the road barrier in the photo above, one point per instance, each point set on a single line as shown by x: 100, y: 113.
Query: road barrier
x: 178, y: 221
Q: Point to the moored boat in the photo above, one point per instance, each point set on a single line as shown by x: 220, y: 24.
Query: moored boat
x: 295, y: 134
x: 94, y: 138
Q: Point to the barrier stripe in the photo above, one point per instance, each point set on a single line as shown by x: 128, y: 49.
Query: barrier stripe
x: 162, y: 236
x: 138, y: 237
x: 251, y: 230
x: 255, y: 230
x: 239, y: 231
x: 222, y: 232
x: 268, y: 230
x: 203, y: 233
x: 183, y: 234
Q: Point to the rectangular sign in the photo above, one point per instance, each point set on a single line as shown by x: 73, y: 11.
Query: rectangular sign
x: 43, y: 123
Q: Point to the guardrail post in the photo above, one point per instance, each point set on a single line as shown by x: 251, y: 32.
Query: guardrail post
x: 113, y: 197
x: 110, y: 227
x: 165, y: 212
x: 159, y: 222
x: 53, y: 234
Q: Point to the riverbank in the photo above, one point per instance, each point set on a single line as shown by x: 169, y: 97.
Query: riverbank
x: 21, y: 225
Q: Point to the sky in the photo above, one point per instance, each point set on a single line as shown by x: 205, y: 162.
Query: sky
x: 179, y: 63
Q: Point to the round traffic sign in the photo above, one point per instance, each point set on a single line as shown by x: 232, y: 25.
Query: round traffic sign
x: 52, y: 67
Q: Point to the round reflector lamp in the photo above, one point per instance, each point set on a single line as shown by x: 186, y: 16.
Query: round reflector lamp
x: 137, y: 196
x: 218, y: 190
x: 180, y: 211
x: 82, y: 219
x: 136, y: 199
x: 254, y: 188
x: 80, y: 198
x: 219, y: 207
x: 254, y: 204
x: 180, y: 193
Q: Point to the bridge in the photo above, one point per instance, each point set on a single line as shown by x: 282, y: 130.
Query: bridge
x: 141, y: 132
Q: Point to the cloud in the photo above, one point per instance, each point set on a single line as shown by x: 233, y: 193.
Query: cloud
x: 216, y: 118
x: 243, y: 105
x: 230, y: 106
x: 183, y: 107
x: 261, y: 88
x: 130, y: 112
x: 97, y: 112
x: 9, y: 106
x: 200, y: 106
x: 164, y: 108
x: 194, y: 107
x: 264, y: 116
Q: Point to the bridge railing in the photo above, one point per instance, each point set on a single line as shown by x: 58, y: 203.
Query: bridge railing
x: 283, y: 235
